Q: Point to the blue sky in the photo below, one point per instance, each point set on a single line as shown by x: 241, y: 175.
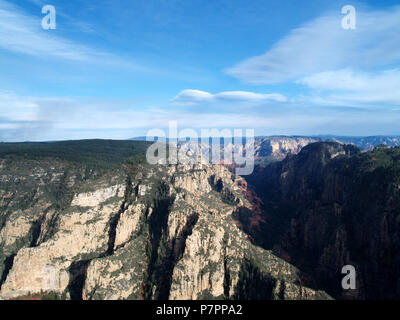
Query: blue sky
x: 116, y: 69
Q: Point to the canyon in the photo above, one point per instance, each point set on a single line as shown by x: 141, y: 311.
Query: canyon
x: 132, y: 232
x: 91, y: 220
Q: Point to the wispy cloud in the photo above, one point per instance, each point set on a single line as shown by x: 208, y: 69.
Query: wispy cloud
x: 194, y: 97
x: 17, y: 109
x: 22, y: 33
x: 349, y: 87
x: 322, y: 45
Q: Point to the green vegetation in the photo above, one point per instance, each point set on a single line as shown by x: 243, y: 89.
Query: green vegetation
x: 97, y: 153
x: 43, y: 295
x: 253, y: 284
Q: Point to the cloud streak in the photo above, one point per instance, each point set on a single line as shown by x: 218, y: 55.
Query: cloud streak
x: 195, y: 97
x: 322, y: 45
x: 22, y: 33
x: 355, y: 87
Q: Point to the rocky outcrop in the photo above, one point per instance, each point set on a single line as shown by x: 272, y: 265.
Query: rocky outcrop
x: 278, y: 148
x: 93, y: 199
x: 79, y: 235
x: 331, y: 206
x: 150, y: 232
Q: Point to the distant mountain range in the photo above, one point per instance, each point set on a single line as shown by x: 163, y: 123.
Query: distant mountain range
x: 272, y: 148
x: 365, y: 143
x: 362, y: 142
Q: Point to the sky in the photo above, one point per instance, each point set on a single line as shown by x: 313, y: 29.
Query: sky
x: 115, y: 69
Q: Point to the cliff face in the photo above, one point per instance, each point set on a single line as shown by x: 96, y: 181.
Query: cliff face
x: 277, y: 148
x: 145, y: 232
x: 330, y: 206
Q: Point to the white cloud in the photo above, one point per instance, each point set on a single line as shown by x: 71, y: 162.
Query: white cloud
x: 37, y: 118
x: 22, y: 33
x: 191, y: 97
x: 322, y: 45
x: 194, y: 97
x: 355, y: 87
x: 17, y: 109
x: 250, y: 96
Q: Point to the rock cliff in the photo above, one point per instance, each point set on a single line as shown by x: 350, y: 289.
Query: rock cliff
x: 332, y: 205
x: 138, y: 232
